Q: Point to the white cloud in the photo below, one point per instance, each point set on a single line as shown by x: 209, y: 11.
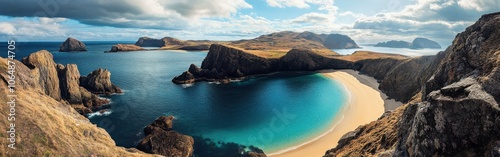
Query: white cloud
x: 314, y: 18
x: 7, y: 28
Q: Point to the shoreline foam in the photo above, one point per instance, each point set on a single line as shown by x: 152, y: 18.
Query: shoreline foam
x: 355, y: 113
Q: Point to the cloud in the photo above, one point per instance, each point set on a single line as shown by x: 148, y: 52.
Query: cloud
x: 437, y: 19
x: 155, y: 14
x: 313, y: 18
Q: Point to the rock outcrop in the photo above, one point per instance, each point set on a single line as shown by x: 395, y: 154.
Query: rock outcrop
x: 339, y: 41
x: 457, y: 110
x: 45, y: 126
x: 149, y: 42
x: 39, y: 71
x: 125, y: 47
x: 160, y: 139
x: 394, y: 44
x: 418, y: 43
x: 71, y: 45
x: 99, y: 82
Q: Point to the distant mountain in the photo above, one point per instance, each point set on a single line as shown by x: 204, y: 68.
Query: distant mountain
x: 394, y: 44
x: 418, y: 43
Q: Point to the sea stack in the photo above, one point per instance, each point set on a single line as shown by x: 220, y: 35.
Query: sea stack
x: 72, y: 45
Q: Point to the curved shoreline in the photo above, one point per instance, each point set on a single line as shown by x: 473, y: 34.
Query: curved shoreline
x: 355, y: 113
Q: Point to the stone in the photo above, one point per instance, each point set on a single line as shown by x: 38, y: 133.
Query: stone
x: 72, y: 45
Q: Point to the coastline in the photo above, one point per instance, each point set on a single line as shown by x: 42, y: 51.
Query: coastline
x: 361, y: 92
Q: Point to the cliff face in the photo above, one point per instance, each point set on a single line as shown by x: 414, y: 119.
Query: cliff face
x: 39, y: 71
x: 223, y: 63
x: 71, y: 45
x: 45, y: 126
x: 458, y: 111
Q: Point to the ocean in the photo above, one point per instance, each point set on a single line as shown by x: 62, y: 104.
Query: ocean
x: 402, y: 51
x: 272, y: 112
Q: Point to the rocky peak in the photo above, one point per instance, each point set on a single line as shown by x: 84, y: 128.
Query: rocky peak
x: 339, y: 41
x: 72, y: 44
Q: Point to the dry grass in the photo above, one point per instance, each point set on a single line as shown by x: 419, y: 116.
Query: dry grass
x: 363, y: 55
x: 46, y: 127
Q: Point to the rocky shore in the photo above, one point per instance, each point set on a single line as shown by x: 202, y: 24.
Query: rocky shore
x: 457, y: 111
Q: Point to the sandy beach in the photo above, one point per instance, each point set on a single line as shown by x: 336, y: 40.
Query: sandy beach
x: 366, y: 104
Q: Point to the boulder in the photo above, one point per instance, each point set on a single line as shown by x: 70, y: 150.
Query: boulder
x: 160, y: 139
x: 71, y: 45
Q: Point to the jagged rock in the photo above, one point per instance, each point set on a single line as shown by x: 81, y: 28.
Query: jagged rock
x: 161, y: 140
x: 71, y: 45
x: 70, y: 83
x: 420, y: 43
x: 45, y: 72
x: 339, y: 41
x: 195, y: 47
x: 149, y: 42
x: 99, y: 82
x: 125, y: 47
x: 458, y: 119
x: 185, y: 78
x: 394, y: 44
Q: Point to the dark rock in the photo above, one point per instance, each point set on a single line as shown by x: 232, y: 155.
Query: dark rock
x: 420, y: 43
x: 185, y: 78
x: 394, y: 44
x: 99, y: 82
x: 149, y: 42
x: 71, y: 45
x: 339, y: 41
x: 161, y: 140
x: 195, y: 47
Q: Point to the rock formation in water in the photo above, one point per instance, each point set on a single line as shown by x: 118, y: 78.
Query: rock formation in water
x: 418, y: 43
x: 394, y: 44
x: 125, y: 47
x: 223, y: 63
x: 160, y: 139
x: 99, y: 82
x: 149, y: 42
x: 64, y: 82
x: 457, y: 112
x: 44, y: 125
x: 71, y: 45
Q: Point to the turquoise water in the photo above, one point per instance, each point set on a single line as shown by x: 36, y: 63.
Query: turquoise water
x: 272, y: 112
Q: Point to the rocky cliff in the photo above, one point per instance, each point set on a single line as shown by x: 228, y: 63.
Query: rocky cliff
x: 44, y: 125
x: 457, y: 111
x: 64, y: 83
x: 223, y: 63
x: 71, y: 45
x: 160, y: 139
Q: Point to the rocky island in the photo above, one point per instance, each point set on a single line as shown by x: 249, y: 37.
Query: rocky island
x: 72, y: 45
x: 418, y: 43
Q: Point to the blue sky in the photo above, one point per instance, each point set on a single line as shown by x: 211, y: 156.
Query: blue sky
x: 366, y: 21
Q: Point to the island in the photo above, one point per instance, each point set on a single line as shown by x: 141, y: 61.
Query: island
x: 418, y: 43
x: 72, y: 45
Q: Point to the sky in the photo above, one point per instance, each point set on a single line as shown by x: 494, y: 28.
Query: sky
x: 366, y: 21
